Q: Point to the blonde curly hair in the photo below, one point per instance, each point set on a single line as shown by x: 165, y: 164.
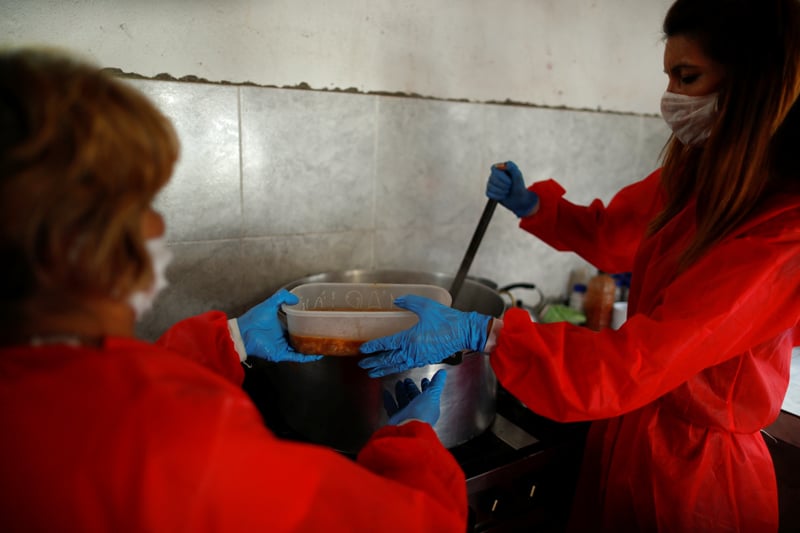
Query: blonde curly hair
x: 82, y: 156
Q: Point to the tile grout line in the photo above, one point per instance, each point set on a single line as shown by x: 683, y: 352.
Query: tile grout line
x: 375, y: 144
x: 241, y: 169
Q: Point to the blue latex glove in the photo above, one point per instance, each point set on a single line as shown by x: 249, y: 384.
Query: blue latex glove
x: 508, y: 187
x: 440, y: 333
x: 411, y: 404
x: 263, y: 334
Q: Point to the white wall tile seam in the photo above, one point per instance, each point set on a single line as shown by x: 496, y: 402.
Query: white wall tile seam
x: 165, y: 78
x: 241, y: 160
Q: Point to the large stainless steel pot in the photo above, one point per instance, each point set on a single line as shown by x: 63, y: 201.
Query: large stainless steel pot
x: 333, y: 402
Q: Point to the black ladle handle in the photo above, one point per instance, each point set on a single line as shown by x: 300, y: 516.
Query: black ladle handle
x: 472, y: 249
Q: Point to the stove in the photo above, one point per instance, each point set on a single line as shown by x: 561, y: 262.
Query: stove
x: 520, y: 472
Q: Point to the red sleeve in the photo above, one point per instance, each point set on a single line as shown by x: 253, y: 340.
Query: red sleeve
x: 206, y: 339
x: 392, y: 448
x: 403, y: 480
x: 179, y: 448
x: 606, y: 237
x: 741, y: 294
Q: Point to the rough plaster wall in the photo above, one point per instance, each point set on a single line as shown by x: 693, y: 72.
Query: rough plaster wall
x: 580, y: 54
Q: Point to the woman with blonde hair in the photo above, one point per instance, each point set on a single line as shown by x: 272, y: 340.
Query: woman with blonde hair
x: 680, y: 393
x: 103, y: 432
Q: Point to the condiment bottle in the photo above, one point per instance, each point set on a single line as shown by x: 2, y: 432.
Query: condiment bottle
x: 577, y: 296
x: 598, y: 304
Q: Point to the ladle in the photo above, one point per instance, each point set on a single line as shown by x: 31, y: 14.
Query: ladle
x: 472, y: 249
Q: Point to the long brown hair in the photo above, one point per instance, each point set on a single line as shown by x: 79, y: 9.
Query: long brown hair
x: 750, y: 152
x: 81, y: 156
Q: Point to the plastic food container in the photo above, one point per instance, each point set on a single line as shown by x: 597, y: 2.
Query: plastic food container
x: 336, y: 318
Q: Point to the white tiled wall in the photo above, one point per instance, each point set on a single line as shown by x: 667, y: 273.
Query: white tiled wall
x: 792, y: 401
x: 277, y: 184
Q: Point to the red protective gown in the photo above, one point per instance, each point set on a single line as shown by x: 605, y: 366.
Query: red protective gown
x: 683, y: 388
x: 137, y: 437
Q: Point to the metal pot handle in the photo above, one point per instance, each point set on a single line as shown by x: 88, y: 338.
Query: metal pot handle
x: 518, y: 303
x: 458, y: 357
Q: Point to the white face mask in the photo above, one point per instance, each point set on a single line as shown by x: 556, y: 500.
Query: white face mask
x: 690, y: 117
x: 160, y: 256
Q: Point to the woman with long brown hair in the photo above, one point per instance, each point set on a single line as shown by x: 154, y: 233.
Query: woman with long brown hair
x: 679, y: 393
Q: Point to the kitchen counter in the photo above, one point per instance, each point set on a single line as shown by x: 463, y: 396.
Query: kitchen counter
x: 502, y: 497
x: 783, y: 441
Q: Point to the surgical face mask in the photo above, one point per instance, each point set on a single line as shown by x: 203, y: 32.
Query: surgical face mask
x: 160, y: 257
x: 690, y: 117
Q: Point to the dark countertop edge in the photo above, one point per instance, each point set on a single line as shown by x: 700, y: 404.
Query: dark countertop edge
x: 786, y: 428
